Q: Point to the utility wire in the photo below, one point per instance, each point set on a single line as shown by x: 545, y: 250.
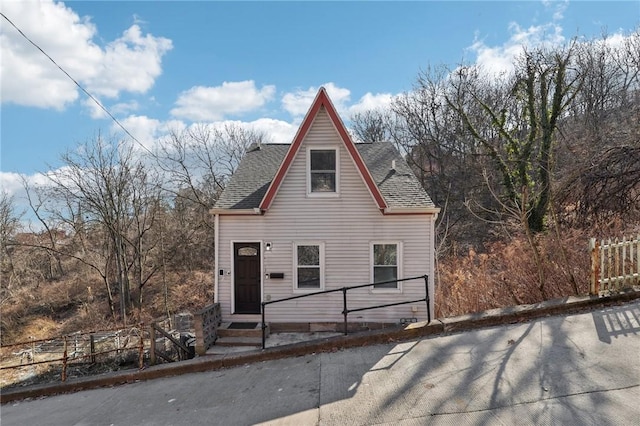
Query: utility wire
x: 77, y: 84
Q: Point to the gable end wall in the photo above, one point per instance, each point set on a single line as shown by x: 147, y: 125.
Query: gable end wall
x: 346, y: 226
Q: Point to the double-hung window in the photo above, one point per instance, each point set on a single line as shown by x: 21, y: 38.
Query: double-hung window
x: 385, y: 261
x: 323, y: 171
x: 309, y: 259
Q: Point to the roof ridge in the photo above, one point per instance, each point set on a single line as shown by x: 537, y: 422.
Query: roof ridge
x: 322, y: 100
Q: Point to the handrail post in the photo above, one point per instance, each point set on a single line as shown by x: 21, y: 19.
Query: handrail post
x: 426, y: 287
x: 92, y: 348
x: 141, y: 348
x: 152, y: 344
x: 344, y: 305
x: 64, y: 361
x: 262, y: 305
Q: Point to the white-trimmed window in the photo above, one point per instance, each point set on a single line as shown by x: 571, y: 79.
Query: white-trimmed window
x: 323, y: 171
x: 309, y: 266
x: 385, y: 265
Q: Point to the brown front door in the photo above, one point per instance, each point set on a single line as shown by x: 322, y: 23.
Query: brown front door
x: 248, y: 274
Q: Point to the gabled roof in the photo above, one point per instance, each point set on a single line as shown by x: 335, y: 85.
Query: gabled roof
x: 257, y: 179
x: 321, y: 100
x: 250, y: 181
x: 400, y: 188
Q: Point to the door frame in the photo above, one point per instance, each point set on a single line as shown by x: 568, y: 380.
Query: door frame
x: 232, y: 250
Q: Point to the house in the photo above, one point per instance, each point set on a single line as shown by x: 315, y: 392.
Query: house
x: 319, y: 214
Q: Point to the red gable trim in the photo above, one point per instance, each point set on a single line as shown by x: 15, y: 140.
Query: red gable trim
x: 362, y: 168
x: 321, y: 100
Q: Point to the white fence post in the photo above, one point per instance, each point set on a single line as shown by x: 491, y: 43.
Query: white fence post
x: 621, y: 268
x: 594, y: 249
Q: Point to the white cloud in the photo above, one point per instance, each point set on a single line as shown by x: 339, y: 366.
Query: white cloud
x: 124, y: 107
x: 10, y: 183
x: 369, y: 101
x: 94, y: 109
x: 148, y: 130
x: 13, y: 185
x: 298, y: 102
x: 277, y: 131
x: 557, y: 7
x: 121, y: 108
x: 214, y: 103
x: 130, y: 63
x: 615, y: 41
x: 499, y: 59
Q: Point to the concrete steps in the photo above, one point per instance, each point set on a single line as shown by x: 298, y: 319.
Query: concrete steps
x: 239, y: 341
x: 240, y: 334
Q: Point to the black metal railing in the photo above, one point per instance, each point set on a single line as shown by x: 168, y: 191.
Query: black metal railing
x: 345, y: 310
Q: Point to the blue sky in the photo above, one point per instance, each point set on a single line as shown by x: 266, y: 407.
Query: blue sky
x: 162, y: 65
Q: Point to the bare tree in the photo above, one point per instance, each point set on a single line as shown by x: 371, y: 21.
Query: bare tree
x: 607, y: 189
x: 196, y: 164
x: 601, y: 135
x: 9, y: 226
x: 104, y: 192
x: 199, y: 160
x: 51, y: 230
x: 373, y: 125
x: 522, y: 112
x: 447, y: 161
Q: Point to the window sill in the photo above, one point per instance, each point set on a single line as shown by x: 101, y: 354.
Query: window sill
x: 323, y: 194
x: 306, y: 290
x: 386, y: 290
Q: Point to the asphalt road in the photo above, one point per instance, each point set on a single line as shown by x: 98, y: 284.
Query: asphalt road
x: 570, y: 370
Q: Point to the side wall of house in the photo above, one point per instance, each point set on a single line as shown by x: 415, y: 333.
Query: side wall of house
x: 346, y: 226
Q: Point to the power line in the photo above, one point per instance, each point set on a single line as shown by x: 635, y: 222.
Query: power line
x: 77, y: 84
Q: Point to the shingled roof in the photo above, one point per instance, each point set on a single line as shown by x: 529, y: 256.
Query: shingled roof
x: 252, y: 178
x: 399, y: 187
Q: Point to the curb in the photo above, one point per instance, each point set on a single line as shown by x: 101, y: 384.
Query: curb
x: 490, y: 318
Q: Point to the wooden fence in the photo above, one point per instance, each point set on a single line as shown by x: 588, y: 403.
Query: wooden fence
x: 71, y: 352
x: 158, y: 342
x: 615, y: 264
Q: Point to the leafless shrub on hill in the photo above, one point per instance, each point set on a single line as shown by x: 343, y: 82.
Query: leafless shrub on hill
x: 607, y: 190
x: 519, y: 159
x: 505, y: 275
x: 9, y: 225
x: 116, y: 224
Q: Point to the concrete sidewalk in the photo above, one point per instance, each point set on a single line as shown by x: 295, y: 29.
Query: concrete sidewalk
x: 579, y: 368
x: 515, y: 314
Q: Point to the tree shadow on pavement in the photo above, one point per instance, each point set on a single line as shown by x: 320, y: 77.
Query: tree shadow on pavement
x: 616, y: 322
x: 553, y: 368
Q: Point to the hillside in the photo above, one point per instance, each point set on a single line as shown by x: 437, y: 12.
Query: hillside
x: 526, y: 167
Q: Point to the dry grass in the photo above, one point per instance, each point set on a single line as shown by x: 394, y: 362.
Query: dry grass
x: 503, y: 275
x: 78, y: 302
x: 36, y: 327
x: 507, y: 275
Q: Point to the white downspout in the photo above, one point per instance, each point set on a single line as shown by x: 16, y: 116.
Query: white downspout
x: 432, y: 278
x: 216, y: 251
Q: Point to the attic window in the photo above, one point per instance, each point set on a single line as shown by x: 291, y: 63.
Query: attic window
x: 323, y: 171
